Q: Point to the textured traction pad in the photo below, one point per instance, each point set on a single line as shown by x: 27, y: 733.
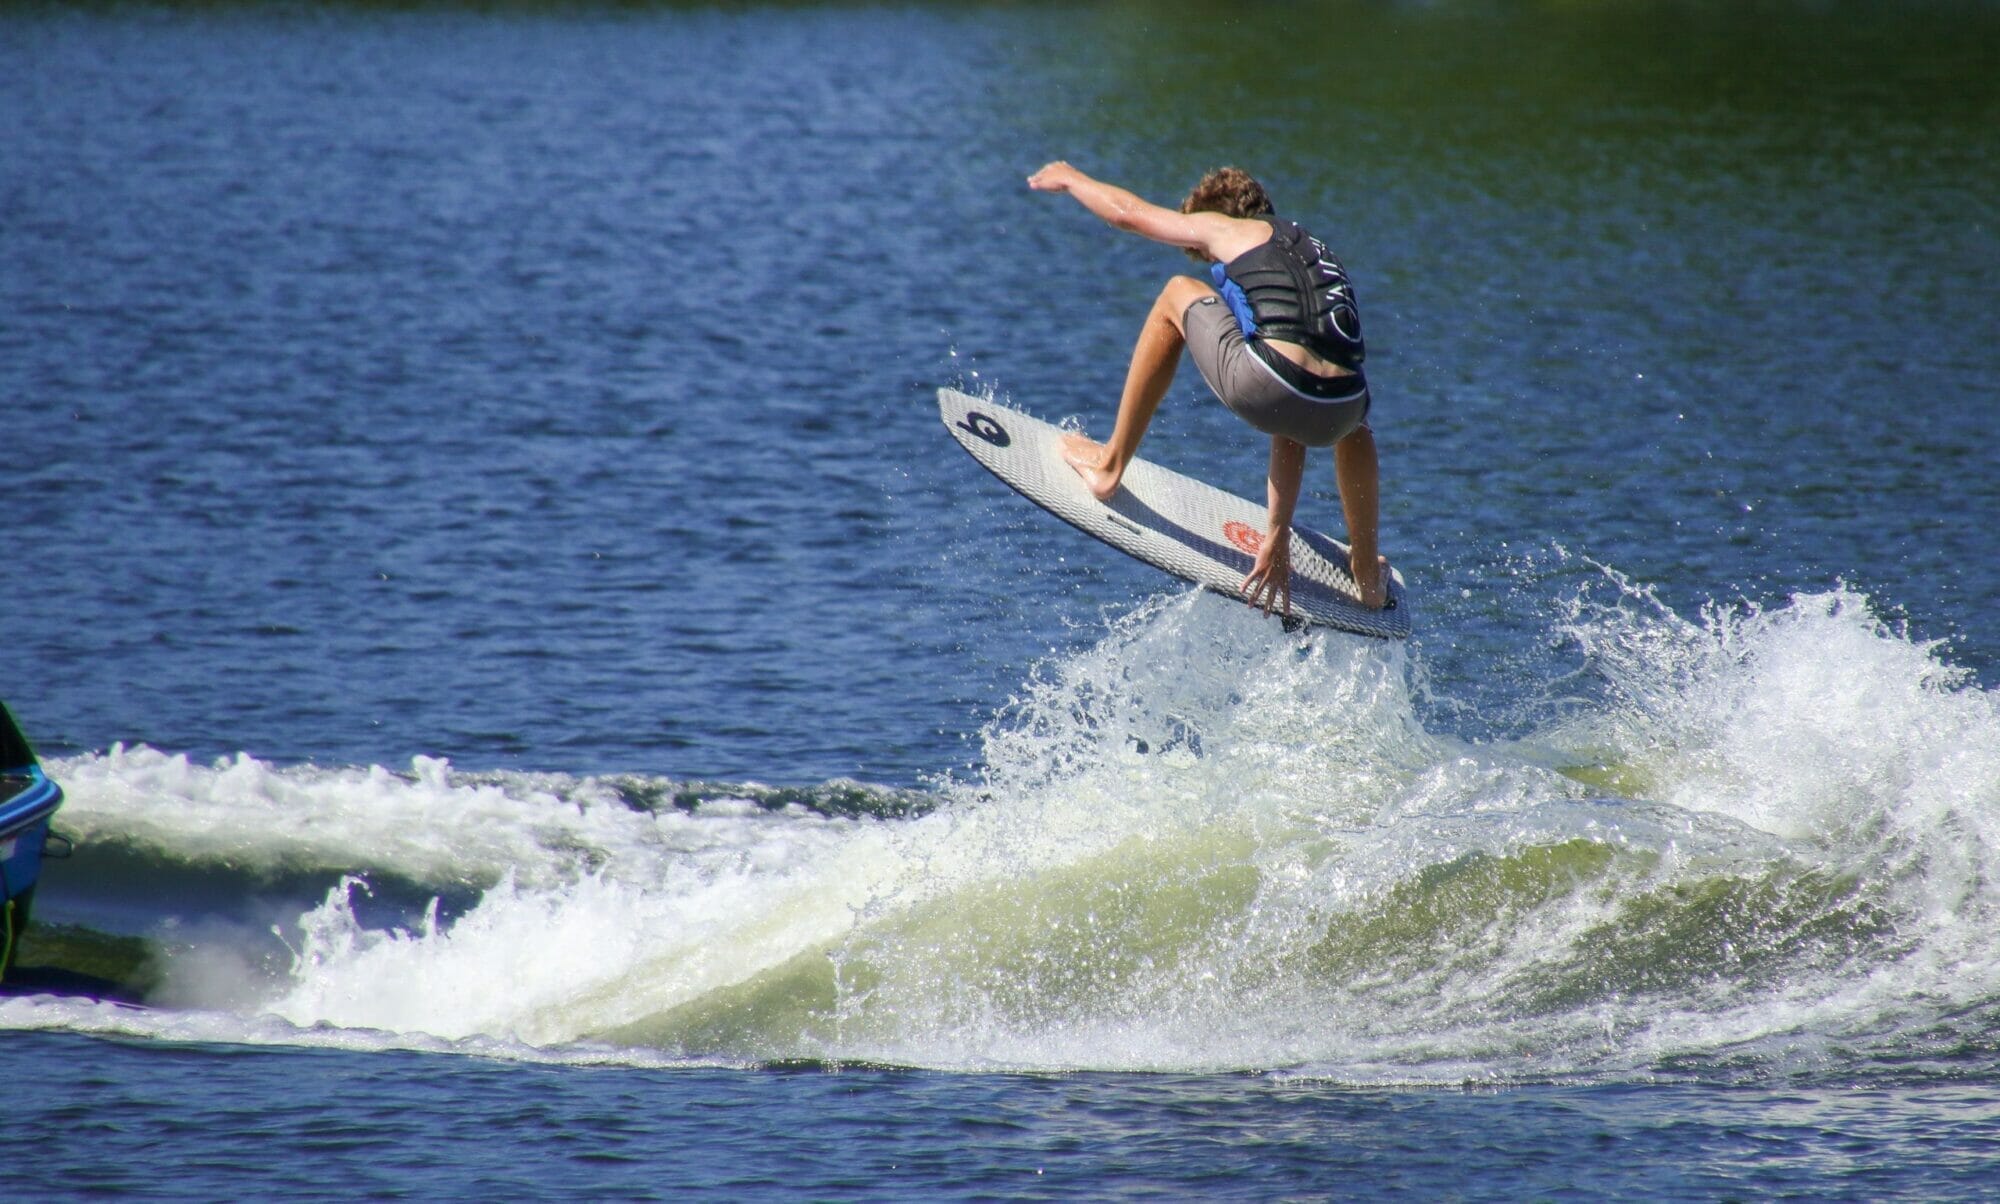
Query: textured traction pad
x: 1175, y: 523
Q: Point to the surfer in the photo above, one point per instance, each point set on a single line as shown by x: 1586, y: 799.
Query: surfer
x: 1276, y: 335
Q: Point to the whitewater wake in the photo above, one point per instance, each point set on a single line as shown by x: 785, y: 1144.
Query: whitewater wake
x: 1200, y: 844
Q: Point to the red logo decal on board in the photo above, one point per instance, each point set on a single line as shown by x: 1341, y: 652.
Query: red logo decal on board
x: 1244, y: 536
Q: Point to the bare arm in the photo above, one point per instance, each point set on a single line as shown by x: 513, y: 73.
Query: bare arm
x: 1126, y: 210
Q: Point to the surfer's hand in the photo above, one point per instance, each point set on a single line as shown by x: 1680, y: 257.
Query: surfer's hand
x: 1269, y: 581
x: 1056, y: 177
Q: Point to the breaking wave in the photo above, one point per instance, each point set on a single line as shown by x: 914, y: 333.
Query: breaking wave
x: 1760, y: 834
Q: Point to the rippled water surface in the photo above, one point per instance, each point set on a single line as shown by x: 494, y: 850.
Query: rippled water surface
x: 545, y: 710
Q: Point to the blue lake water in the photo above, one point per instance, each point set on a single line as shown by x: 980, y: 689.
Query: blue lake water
x: 545, y: 708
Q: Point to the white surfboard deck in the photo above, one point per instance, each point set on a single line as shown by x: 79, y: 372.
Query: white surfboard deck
x: 1172, y: 522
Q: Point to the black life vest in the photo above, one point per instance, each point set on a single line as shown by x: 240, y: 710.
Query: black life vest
x: 1296, y: 292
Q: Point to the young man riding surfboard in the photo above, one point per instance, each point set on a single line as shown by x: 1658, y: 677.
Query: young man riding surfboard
x: 1277, y: 336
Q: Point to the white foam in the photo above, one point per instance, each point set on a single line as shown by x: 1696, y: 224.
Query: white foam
x: 1199, y: 844
x: 424, y: 824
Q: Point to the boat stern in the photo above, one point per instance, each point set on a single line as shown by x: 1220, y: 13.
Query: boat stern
x: 27, y: 799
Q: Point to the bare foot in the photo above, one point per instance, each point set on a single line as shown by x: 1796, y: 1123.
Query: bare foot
x: 1374, y: 586
x: 1088, y: 458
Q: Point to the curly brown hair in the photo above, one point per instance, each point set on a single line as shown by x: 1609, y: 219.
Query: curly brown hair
x: 1231, y: 191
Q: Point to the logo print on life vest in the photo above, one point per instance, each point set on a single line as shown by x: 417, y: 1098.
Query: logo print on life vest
x: 1244, y: 536
x: 979, y: 424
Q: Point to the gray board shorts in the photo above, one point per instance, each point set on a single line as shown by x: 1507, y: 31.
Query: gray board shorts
x: 1278, y: 398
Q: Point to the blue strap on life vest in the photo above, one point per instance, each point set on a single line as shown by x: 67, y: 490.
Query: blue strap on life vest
x: 1232, y: 296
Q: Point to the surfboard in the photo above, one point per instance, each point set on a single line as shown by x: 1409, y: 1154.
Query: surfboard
x: 1173, y: 522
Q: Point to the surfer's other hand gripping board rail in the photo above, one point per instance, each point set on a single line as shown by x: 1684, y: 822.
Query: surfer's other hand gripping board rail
x: 1172, y: 522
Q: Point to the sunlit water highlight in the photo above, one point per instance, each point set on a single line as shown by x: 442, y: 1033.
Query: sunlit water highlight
x: 485, y: 566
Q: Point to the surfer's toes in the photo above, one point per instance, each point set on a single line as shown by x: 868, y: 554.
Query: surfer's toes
x: 1087, y: 458
x: 1081, y: 451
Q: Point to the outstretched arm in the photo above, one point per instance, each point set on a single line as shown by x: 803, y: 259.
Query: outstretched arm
x: 1128, y: 211
x: 1270, y: 579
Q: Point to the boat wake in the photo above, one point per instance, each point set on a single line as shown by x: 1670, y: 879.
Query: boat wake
x: 1758, y: 838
